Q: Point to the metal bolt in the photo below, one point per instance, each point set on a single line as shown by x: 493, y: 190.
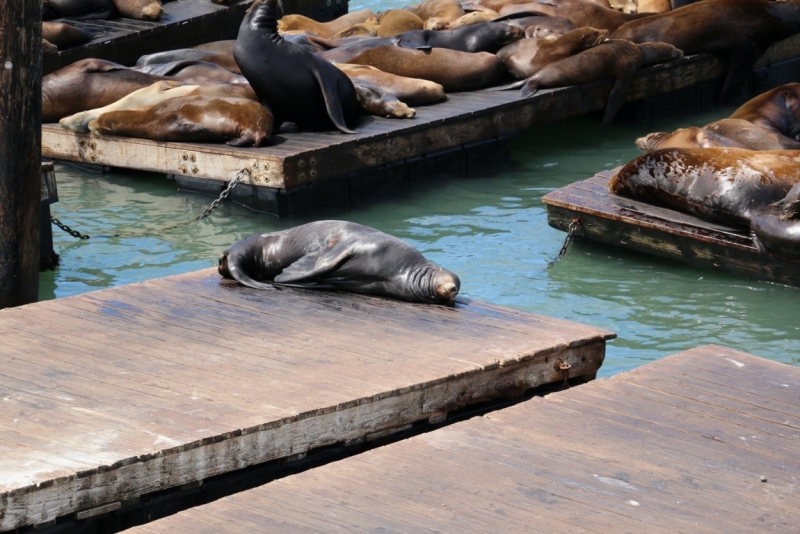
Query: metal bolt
x: 195, y: 169
x: 93, y: 145
x: 301, y: 163
x: 302, y: 177
x: 313, y: 173
x: 183, y: 169
x: 8, y: 65
x: 193, y: 157
x: 184, y: 156
x: 82, y: 142
x: 255, y: 164
x: 763, y: 478
x: 94, y: 158
x: 312, y: 161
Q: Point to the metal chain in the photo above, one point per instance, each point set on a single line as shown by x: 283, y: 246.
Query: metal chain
x: 70, y: 231
x: 214, y: 205
x: 573, y: 225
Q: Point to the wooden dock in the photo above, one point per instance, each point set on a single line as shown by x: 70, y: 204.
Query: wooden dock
x: 118, y: 393
x: 642, y: 227
x: 307, y: 172
x: 703, y: 441
x: 185, y: 23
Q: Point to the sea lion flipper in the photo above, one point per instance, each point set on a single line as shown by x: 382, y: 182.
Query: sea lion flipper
x: 334, y: 107
x: 314, y: 265
x: 616, y: 98
x: 518, y: 83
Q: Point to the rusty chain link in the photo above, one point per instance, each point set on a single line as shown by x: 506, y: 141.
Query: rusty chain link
x: 573, y: 225
x: 214, y: 205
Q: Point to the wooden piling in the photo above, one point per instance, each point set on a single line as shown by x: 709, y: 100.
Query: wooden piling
x: 20, y: 150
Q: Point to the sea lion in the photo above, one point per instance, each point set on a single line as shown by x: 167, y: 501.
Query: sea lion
x: 48, y: 47
x: 580, y: 12
x: 193, y: 71
x: 378, y: 101
x: 612, y: 58
x: 412, y: 91
x: 777, y: 109
x: 473, y: 17
x: 343, y: 50
x: 221, y: 47
x: 140, y: 9
x: 368, y: 28
x: 691, y: 137
x: 739, y: 30
x: 452, y: 69
x: 79, y: 9
x: 483, y: 37
x: 528, y: 61
x: 752, y: 136
x: 323, y: 29
x: 396, y: 21
x: 64, y: 35
x: 777, y: 228
x: 296, y: 84
x: 224, y: 60
x: 726, y: 185
x: 197, y: 119
x: 647, y: 6
x: 338, y: 255
x: 538, y: 26
x: 437, y: 14
x: 87, y: 84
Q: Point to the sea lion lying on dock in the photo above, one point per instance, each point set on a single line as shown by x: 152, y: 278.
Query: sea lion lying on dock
x: 224, y: 60
x: 437, y: 14
x: 691, y: 137
x: 582, y: 13
x: 777, y: 110
x: 412, y: 91
x: 483, y: 37
x: 378, y: 101
x: 529, y: 60
x: 198, y: 119
x: 140, y: 9
x: 323, y: 29
x: 725, y: 185
x: 87, y: 84
x: 338, y: 255
x: 64, y: 35
x: 192, y: 71
x: 396, y: 21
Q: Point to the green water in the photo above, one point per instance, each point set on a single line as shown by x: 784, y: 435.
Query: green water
x: 489, y: 228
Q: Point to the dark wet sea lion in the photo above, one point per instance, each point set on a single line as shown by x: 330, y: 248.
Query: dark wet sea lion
x: 396, y: 21
x: 580, y: 12
x: 452, y: 69
x: 223, y: 60
x: 64, y: 35
x: 616, y: 59
x: 140, y: 9
x: 777, y: 109
x: 296, y: 84
x: 483, y: 37
x: 691, y: 137
x: 192, y: 70
x: 437, y: 14
x: 777, y: 228
x: 740, y: 30
x: 524, y: 63
x: 726, y: 185
x: 338, y: 255
x: 79, y: 9
x: 235, y: 121
x: 412, y: 91
x: 323, y: 29
x: 378, y: 101
x: 89, y: 84
x: 752, y: 135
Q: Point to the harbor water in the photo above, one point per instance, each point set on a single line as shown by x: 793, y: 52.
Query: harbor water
x: 490, y: 228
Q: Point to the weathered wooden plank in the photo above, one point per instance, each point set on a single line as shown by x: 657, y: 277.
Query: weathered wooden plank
x: 601, y: 457
x: 119, y: 393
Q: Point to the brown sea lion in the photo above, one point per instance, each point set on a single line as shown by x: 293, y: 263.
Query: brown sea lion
x: 140, y: 9
x: 397, y: 21
x: 79, y: 9
x: 368, y: 28
x: 64, y: 35
x: 338, y: 255
x: 224, y: 60
x: 87, y: 84
x: 323, y: 29
x: 377, y: 101
x: 192, y: 71
x: 412, y: 91
x: 726, y: 185
x: 753, y: 136
x: 691, y: 137
x: 580, y: 12
x: 524, y: 63
x: 473, y: 17
x: 437, y: 14
x: 198, y: 119
x: 538, y: 26
x: 739, y: 30
x: 647, y: 6
x: 777, y: 110
x: 777, y: 227
x: 452, y: 69
x: 343, y: 50
x: 48, y: 47
x: 221, y: 47
x: 612, y: 58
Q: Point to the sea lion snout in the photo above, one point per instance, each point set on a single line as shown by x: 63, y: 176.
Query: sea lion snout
x: 223, y: 265
x: 447, y: 286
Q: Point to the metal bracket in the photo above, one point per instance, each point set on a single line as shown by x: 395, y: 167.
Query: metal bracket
x: 564, y: 367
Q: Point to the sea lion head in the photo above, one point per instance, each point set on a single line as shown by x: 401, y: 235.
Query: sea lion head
x: 652, y: 53
x: 652, y: 141
x: 790, y: 205
x: 445, y: 285
x: 223, y: 266
x: 592, y: 36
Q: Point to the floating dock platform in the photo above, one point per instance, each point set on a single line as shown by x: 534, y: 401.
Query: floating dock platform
x: 627, y: 223
x: 702, y: 441
x: 185, y: 23
x: 305, y: 173
x: 118, y: 393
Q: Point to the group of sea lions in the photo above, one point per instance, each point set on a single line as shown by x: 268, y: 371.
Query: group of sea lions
x: 323, y: 76
x: 743, y: 171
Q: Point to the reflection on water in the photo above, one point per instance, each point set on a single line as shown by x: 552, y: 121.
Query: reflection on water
x: 490, y: 228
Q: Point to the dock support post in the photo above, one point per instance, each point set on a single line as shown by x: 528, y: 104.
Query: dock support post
x: 20, y: 150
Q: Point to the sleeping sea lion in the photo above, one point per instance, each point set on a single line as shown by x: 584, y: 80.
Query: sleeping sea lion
x: 528, y: 61
x: 196, y: 119
x: 473, y: 17
x: 412, y: 91
x: 691, y: 137
x: 378, y: 101
x: 397, y: 21
x: 224, y: 60
x: 296, y: 84
x: 338, y: 255
x: 64, y: 35
x: 777, y: 109
x: 323, y: 29
x: 752, y: 136
x: 192, y: 71
x: 580, y: 12
x: 437, y: 14
x: 368, y: 28
x: 483, y: 37
x: 140, y: 9
x: 726, y: 185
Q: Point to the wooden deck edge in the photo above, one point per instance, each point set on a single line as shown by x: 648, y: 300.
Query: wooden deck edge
x: 216, y: 455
